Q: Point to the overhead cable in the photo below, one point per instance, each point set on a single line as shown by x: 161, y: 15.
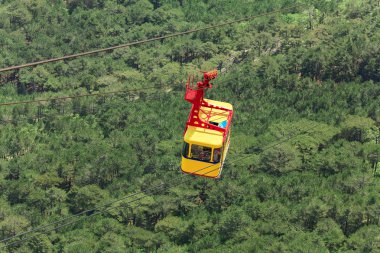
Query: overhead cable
x: 66, y: 57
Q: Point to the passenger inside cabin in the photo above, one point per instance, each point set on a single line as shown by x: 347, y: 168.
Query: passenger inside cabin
x: 200, y: 152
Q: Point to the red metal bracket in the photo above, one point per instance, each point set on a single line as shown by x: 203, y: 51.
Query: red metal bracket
x: 195, y: 94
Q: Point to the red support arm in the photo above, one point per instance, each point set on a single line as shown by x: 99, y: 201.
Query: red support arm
x: 195, y: 96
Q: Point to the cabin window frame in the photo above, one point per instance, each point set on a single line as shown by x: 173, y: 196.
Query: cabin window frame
x: 187, y: 148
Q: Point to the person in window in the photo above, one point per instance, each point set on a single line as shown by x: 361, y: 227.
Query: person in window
x: 205, y: 155
x: 200, y: 153
x: 217, y: 155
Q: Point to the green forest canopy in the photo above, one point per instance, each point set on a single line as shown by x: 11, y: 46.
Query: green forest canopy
x: 313, y: 72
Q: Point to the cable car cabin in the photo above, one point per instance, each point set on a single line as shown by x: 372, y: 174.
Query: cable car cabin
x: 207, y: 132
x: 204, y: 149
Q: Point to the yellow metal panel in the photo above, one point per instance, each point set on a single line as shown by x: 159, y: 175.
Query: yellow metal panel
x: 216, y: 114
x: 219, y: 103
x: 203, y: 137
x: 200, y: 168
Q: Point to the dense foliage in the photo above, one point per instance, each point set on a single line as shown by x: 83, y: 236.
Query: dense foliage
x: 301, y: 171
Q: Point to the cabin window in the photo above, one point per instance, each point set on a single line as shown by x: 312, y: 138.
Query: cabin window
x: 200, y: 153
x: 185, y: 149
x: 217, y: 155
x: 223, y: 124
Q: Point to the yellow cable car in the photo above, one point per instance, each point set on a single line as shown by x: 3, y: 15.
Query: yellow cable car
x: 207, y: 132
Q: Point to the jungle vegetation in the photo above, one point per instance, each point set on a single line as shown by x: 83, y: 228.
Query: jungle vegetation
x: 301, y: 174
